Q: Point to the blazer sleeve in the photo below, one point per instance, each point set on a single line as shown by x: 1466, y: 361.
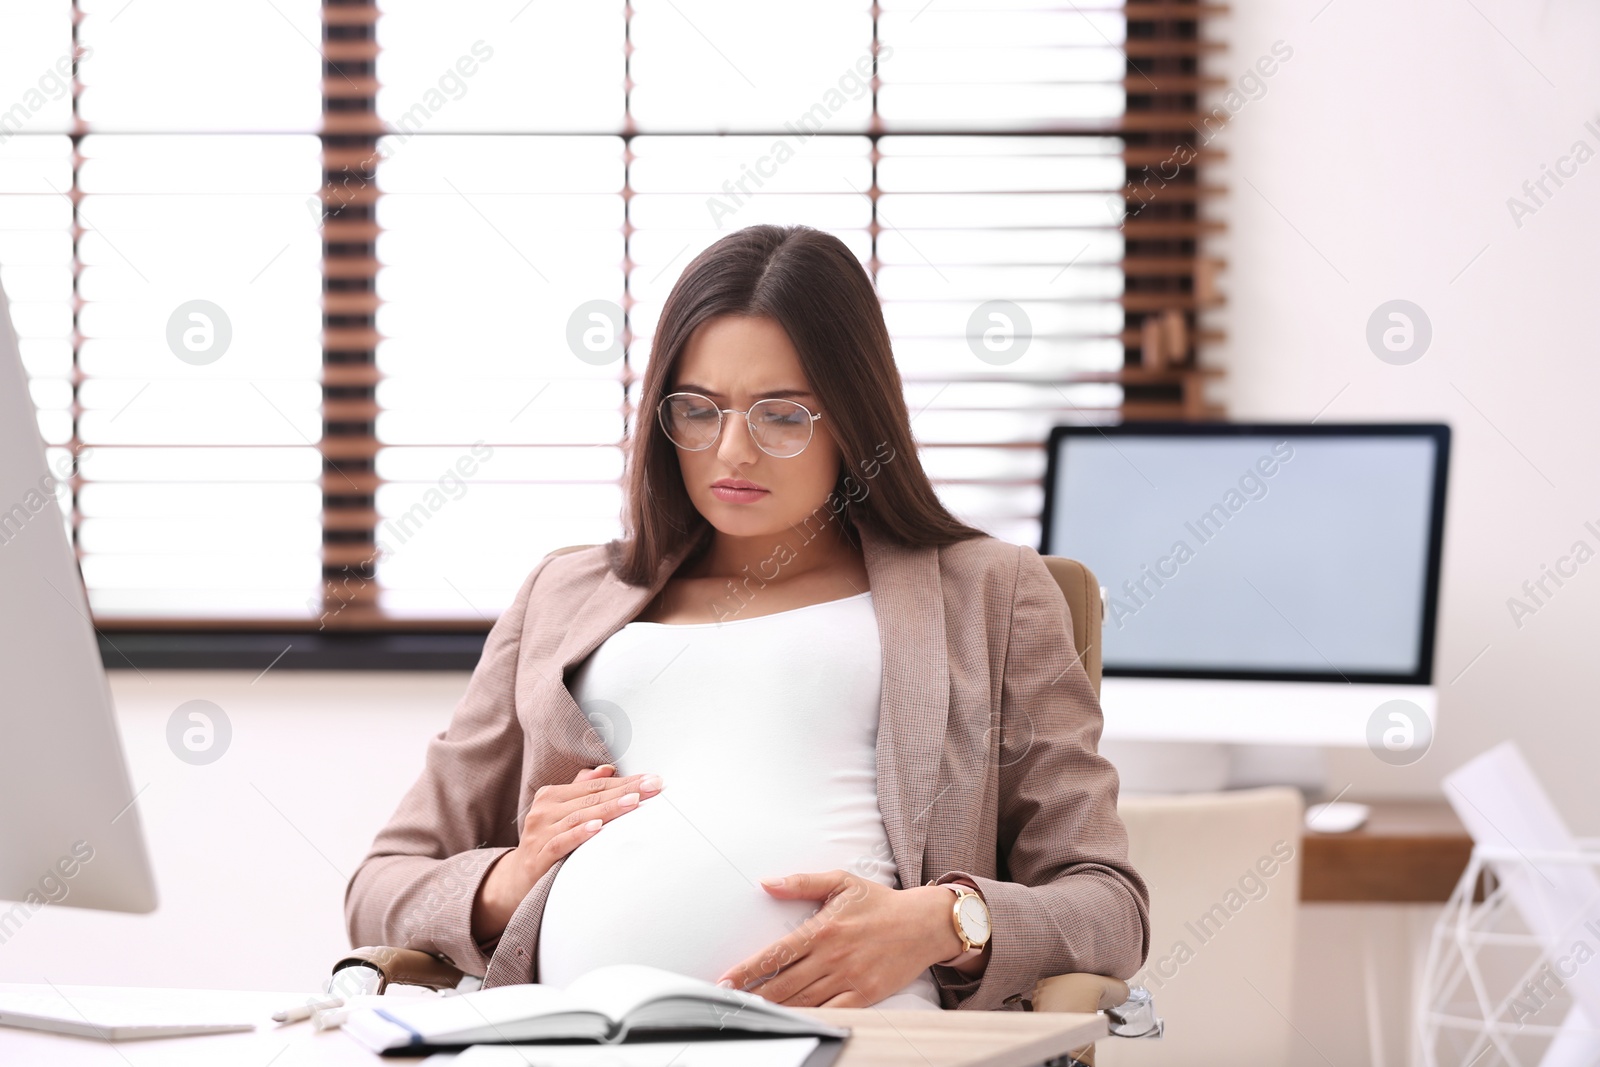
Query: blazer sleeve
x: 1072, y: 902
x: 417, y: 884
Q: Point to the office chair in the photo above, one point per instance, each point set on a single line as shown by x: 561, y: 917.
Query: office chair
x: 1086, y: 993
x: 1194, y: 850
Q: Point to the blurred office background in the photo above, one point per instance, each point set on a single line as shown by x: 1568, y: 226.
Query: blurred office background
x: 397, y: 212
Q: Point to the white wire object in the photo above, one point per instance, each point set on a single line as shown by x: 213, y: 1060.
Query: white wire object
x: 1496, y: 994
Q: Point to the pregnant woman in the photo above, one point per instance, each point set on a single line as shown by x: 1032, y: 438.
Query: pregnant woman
x: 800, y: 731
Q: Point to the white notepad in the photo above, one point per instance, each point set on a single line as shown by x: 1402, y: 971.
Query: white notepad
x: 120, y: 1013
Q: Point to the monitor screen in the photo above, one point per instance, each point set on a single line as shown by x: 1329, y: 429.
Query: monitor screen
x: 1256, y: 551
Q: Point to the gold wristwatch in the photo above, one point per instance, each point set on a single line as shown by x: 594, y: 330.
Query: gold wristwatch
x: 970, y: 916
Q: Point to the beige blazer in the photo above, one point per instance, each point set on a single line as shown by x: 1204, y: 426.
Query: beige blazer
x: 986, y: 758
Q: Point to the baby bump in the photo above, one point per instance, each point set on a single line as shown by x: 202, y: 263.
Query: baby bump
x: 675, y: 885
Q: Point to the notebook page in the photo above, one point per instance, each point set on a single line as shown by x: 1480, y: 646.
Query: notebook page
x: 619, y: 989
x: 500, y: 1014
x: 649, y: 997
x: 766, y: 1052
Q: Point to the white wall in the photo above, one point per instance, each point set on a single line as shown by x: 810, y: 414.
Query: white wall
x: 1377, y: 165
x: 251, y: 852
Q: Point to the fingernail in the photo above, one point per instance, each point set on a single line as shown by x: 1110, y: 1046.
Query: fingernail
x: 775, y: 883
x: 606, y: 767
x: 724, y: 984
x: 593, y: 824
x: 651, y: 783
x: 628, y: 800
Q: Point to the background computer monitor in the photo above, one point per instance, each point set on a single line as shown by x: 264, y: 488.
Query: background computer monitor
x: 69, y: 828
x: 1273, y: 554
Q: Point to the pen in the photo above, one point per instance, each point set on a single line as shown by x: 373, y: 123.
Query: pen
x: 305, y: 1009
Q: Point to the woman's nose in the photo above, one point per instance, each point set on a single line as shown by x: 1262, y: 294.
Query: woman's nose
x: 736, y: 444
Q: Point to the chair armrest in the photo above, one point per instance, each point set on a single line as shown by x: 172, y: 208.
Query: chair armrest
x: 1086, y: 993
x: 1079, y: 992
x: 403, y: 966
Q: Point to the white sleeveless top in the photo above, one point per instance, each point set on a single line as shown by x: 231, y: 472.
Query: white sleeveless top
x: 764, y: 732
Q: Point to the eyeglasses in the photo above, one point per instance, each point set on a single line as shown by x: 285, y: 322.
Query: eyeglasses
x: 779, y: 428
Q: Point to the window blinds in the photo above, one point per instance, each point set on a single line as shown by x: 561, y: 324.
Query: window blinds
x: 436, y: 241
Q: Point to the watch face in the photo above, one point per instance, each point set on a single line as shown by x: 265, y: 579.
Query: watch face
x: 975, y: 919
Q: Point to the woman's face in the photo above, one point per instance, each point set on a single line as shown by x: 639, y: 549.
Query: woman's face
x: 737, y: 360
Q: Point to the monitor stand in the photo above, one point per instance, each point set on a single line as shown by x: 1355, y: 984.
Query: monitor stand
x: 1168, y: 735
x: 1145, y: 766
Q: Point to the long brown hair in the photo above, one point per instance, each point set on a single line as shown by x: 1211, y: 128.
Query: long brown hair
x: 813, y: 286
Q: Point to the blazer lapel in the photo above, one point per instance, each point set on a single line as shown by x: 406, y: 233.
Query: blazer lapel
x: 909, y: 604
x: 915, y: 701
x: 611, y: 606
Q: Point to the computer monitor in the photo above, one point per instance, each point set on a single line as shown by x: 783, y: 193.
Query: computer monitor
x: 69, y: 828
x: 1266, y: 582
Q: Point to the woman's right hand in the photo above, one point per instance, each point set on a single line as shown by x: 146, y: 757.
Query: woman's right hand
x: 561, y: 818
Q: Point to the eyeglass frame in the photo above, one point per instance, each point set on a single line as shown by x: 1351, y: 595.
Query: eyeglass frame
x: 811, y: 432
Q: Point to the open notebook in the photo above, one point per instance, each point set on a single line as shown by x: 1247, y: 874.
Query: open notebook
x: 607, y: 1005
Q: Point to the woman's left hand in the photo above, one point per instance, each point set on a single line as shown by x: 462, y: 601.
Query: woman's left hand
x: 866, y: 942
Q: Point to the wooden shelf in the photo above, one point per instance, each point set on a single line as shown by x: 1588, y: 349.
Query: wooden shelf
x: 1409, y: 852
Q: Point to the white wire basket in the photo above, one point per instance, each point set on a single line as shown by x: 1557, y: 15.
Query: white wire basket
x: 1494, y: 992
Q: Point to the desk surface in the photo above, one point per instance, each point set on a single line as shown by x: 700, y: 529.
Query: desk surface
x: 878, y: 1039
x: 1408, y: 852
x: 959, y: 1038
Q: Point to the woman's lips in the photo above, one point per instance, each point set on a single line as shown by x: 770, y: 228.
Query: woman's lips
x: 737, y: 496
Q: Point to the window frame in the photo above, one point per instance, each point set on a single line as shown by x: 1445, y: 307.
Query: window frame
x: 1169, y: 283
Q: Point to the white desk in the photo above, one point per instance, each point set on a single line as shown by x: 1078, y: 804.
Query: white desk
x: 879, y: 1039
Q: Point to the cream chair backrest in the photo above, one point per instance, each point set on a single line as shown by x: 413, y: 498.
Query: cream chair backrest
x: 1085, y: 610
x: 1224, y: 877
